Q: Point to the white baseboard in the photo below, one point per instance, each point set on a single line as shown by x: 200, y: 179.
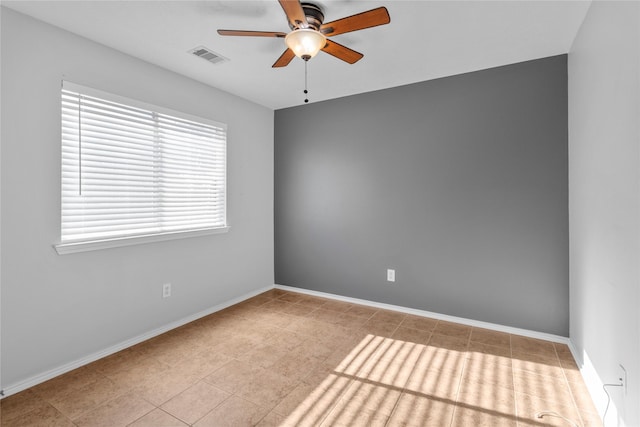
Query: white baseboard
x: 44, y: 376
x: 594, y: 385
x: 424, y: 313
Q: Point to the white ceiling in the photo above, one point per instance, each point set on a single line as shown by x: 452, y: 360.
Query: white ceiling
x: 425, y: 40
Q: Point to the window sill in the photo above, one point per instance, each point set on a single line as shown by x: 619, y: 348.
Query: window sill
x: 94, y: 245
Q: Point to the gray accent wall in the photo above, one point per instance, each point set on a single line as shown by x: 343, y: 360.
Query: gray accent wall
x: 459, y: 184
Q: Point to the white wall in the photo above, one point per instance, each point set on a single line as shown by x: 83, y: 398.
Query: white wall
x: 604, y: 202
x: 57, y: 309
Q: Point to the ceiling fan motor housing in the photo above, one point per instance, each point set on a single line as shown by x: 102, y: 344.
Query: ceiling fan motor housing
x: 314, y: 14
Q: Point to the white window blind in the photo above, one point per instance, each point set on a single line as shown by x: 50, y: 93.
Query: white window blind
x: 131, y: 169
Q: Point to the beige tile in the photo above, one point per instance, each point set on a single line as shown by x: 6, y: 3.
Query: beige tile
x: 232, y: 376
x: 272, y: 318
x: 76, y: 402
x: 417, y: 410
x: 489, y: 337
x: 267, y: 388
x: 259, y: 300
x: 487, y: 397
x: 120, y: 361
x: 297, y: 364
x: 581, y: 397
x: 299, y: 310
x: 415, y: 336
x: 525, y: 345
x: 352, y: 414
x: 563, y: 352
x: 272, y: 420
x: 451, y: 329
x: 274, y: 293
x: 529, y: 407
x: 286, y: 339
x: 477, y: 370
x: 538, y: 364
x: 554, y: 390
x: 277, y: 305
x: 373, y: 395
x: 573, y: 376
x: 195, y: 402
x: 121, y: 411
x: 42, y: 416
x: 419, y: 322
x: 313, y: 348
x: 387, y: 316
x: 489, y: 354
x: 591, y: 419
x: 392, y: 364
x: 480, y: 348
x: 202, y: 364
x: 233, y: 412
x: 439, y: 358
x: 449, y: 342
x: 158, y: 418
x: 436, y: 373
x: 141, y: 372
x: 264, y: 355
x: 479, y: 417
x: 339, y: 306
x: 173, y: 353
x: 311, y: 306
x: 362, y: 311
x: 309, y: 327
x: 348, y: 320
x: 212, y: 337
x: 237, y: 346
x: 291, y: 297
x: 320, y: 373
x: 310, y: 404
x: 165, y: 386
x: 20, y: 404
x: 440, y: 384
x: 72, y: 380
x: 380, y: 327
x: 324, y: 315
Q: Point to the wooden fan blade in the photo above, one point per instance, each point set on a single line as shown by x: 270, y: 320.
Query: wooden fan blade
x: 251, y: 33
x: 360, y: 21
x: 295, y: 13
x: 284, y: 59
x: 342, y: 52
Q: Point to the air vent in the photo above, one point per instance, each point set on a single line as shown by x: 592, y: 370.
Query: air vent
x: 208, y: 54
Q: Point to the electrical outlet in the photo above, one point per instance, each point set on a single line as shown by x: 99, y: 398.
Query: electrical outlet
x: 623, y: 378
x: 166, y: 290
x: 391, y: 275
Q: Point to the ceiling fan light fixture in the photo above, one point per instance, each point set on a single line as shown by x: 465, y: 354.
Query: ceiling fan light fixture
x: 305, y: 42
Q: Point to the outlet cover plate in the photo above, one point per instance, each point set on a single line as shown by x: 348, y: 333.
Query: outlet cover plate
x: 391, y: 275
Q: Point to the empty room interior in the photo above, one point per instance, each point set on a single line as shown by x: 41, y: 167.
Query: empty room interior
x: 336, y: 213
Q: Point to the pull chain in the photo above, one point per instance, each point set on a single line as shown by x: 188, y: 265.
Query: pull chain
x: 306, y: 98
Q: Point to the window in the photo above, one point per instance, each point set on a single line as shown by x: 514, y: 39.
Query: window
x: 133, y: 172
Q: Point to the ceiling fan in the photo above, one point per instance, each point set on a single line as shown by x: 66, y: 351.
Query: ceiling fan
x: 309, y: 33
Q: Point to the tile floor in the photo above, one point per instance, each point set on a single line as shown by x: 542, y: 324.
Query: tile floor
x: 288, y: 359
